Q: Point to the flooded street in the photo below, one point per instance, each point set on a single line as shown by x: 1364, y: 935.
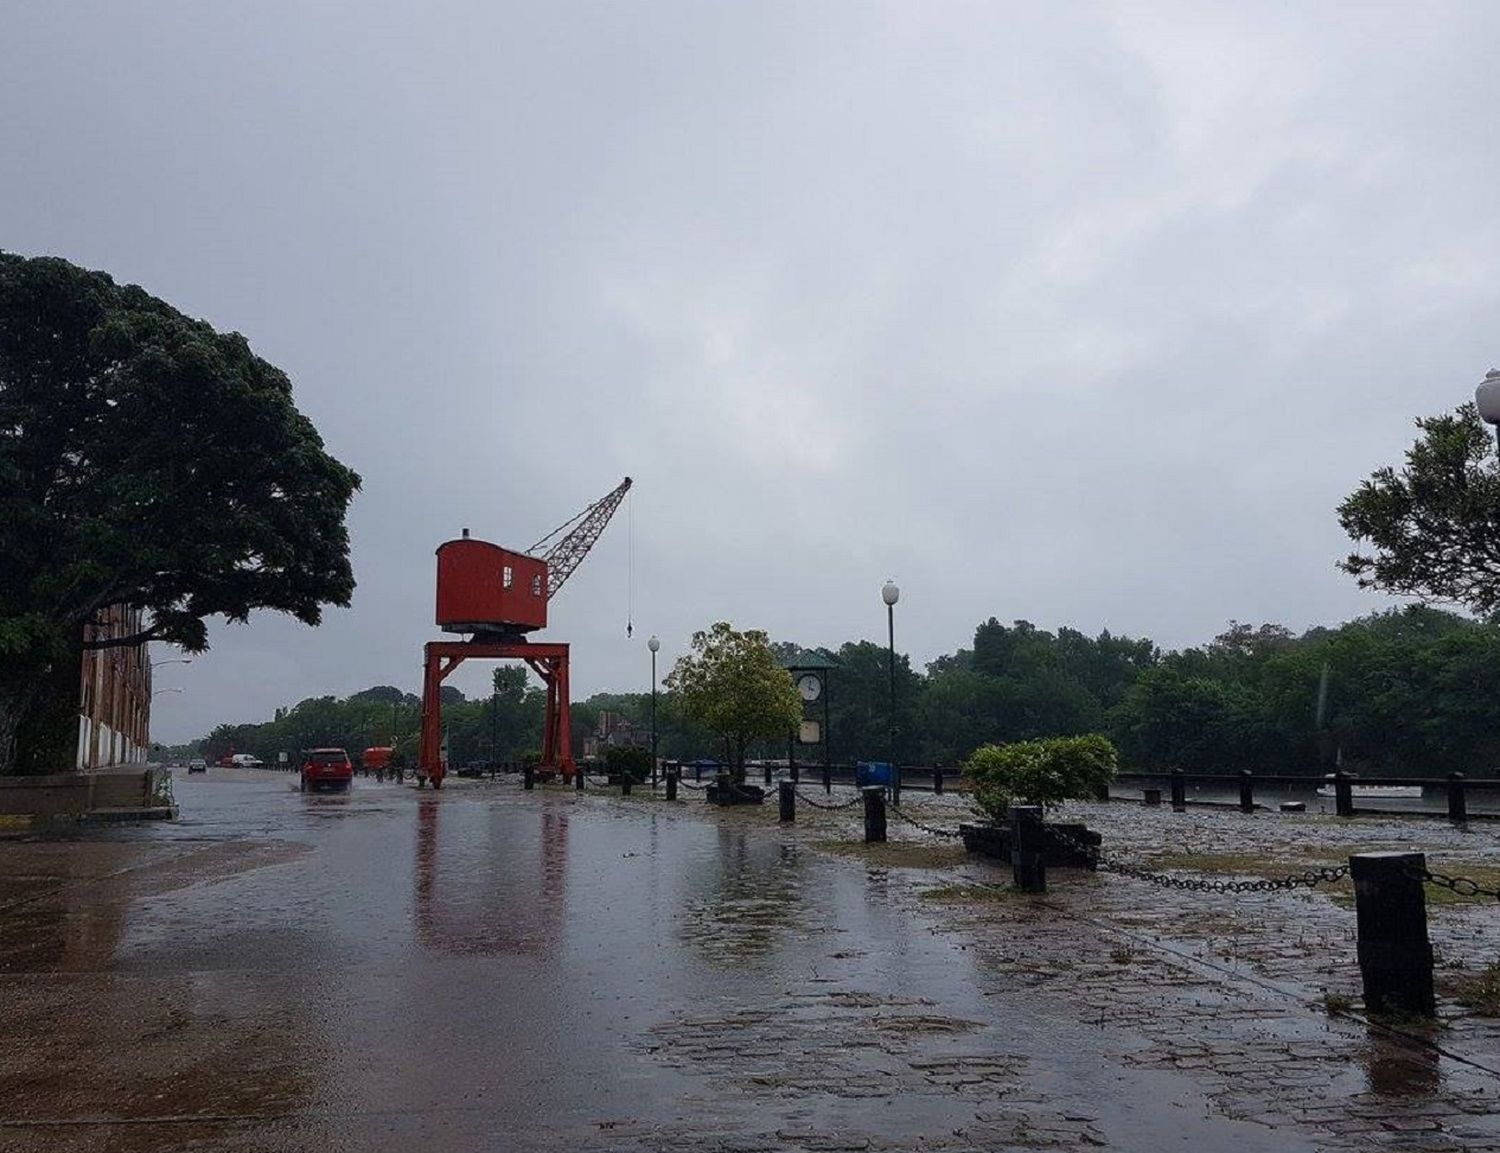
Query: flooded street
x: 487, y: 968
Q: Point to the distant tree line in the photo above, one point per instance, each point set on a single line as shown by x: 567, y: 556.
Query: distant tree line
x: 1409, y: 691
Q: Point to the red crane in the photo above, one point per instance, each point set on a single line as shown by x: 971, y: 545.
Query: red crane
x: 496, y: 596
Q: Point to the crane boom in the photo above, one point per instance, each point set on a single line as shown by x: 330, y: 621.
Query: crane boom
x: 566, y: 545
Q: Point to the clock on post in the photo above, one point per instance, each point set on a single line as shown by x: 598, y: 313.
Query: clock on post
x: 810, y: 671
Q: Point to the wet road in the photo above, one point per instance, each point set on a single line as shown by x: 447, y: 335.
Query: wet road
x: 492, y: 969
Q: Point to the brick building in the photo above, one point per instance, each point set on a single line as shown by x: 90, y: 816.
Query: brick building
x: 114, y: 704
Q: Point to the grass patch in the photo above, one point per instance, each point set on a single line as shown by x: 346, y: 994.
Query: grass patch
x: 967, y: 893
x: 1243, y: 864
x: 1336, y: 1003
x: 1341, y: 892
x: 1479, y: 992
x: 898, y: 854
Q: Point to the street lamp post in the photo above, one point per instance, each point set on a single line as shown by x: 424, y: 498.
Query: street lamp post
x: 1487, y: 399
x: 654, y: 645
x: 891, y: 594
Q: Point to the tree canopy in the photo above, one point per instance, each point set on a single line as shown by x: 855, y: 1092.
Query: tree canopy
x: 733, y: 684
x: 151, y: 461
x: 1434, y: 526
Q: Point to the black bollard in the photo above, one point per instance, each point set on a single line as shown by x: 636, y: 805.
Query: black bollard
x: 788, y: 796
x: 698, y: 772
x: 671, y: 784
x: 1179, y: 792
x: 768, y: 774
x: 625, y: 781
x: 528, y: 777
x: 796, y: 773
x: 827, y: 779
x: 1343, y: 794
x: 874, y: 814
x: 1458, y: 803
x: 1029, y: 869
x: 937, y: 782
x: 1247, y: 792
x: 1395, y: 956
x: 1151, y: 797
x: 578, y: 778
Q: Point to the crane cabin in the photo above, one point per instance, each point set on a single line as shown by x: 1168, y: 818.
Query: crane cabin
x: 488, y: 590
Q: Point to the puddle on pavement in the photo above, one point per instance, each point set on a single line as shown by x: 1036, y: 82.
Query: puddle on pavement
x: 552, y: 970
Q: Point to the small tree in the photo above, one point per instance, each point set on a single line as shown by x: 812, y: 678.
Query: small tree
x: 1044, y: 773
x: 734, y: 686
x: 1435, y: 525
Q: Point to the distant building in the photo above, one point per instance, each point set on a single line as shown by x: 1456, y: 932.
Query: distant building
x: 114, y: 704
x: 612, y: 731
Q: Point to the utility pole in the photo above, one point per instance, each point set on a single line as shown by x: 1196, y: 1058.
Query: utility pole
x: 654, y: 645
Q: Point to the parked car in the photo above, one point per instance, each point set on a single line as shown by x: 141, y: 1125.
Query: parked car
x: 326, y: 769
x: 197, y: 765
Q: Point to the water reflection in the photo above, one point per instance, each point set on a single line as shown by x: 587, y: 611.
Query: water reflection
x: 488, y: 883
x: 1396, y: 1070
x: 743, y: 898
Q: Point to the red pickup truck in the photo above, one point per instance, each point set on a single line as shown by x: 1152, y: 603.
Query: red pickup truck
x: 326, y: 768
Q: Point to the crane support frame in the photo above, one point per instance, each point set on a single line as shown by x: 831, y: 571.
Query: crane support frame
x: 548, y: 661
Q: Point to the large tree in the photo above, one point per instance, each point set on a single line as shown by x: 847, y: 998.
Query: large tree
x: 733, y: 684
x: 150, y: 461
x: 1434, y: 526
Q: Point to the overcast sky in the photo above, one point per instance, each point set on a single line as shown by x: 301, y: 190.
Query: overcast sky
x: 1087, y: 313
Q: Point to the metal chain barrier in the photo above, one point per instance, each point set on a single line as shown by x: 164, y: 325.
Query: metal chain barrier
x: 1462, y: 886
x: 933, y: 829
x: 1308, y: 878
x: 829, y: 806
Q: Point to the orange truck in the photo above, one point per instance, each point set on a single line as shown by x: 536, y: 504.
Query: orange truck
x: 377, y: 760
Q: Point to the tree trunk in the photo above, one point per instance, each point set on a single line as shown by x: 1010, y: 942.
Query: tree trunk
x: 16, y: 699
x: 39, y: 711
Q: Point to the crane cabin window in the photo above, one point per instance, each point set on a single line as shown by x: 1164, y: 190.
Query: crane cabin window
x: 536, y: 585
x: 507, y: 577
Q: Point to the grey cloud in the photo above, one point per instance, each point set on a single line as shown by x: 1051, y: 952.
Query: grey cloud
x: 1087, y: 314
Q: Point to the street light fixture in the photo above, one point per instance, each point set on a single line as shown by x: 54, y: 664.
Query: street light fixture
x: 172, y: 661
x: 890, y: 593
x: 1487, y: 399
x: 159, y: 692
x: 654, y: 645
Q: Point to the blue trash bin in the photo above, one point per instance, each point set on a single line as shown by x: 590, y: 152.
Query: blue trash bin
x: 871, y: 773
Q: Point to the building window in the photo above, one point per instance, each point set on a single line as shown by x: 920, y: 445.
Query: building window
x: 507, y: 577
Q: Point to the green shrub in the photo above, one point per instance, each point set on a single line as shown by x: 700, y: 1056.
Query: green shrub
x: 1042, y: 773
x: 622, y: 759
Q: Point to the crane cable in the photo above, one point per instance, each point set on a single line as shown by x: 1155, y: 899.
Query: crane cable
x: 629, y: 566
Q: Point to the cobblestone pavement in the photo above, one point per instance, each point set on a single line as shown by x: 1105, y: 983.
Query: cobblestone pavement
x: 1232, y: 988
x: 494, y: 969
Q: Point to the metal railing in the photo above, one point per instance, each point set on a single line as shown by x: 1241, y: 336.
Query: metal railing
x: 1456, y: 787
